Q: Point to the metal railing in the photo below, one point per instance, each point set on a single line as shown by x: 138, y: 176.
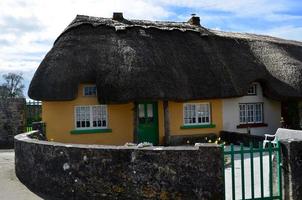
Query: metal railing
x: 33, y: 113
x: 251, y: 152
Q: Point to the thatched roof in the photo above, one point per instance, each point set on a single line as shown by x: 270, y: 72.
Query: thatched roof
x: 132, y: 60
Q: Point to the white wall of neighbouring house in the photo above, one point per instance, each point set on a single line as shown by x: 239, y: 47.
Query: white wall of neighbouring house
x: 271, y: 109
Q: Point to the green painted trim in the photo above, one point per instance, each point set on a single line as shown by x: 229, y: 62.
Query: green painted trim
x: 89, y: 131
x: 198, y: 126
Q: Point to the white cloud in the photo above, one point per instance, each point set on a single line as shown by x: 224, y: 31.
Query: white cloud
x: 291, y: 32
x: 29, y: 27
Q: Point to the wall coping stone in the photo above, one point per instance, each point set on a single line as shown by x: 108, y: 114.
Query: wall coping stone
x: 25, y: 138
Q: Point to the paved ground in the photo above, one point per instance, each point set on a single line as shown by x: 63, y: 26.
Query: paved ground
x: 247, y: 176
x: 10, y: 186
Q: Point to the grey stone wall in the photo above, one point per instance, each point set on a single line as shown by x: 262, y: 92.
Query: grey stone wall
x: 292, y: 168
x: 300, y: 114
x: 12, y: 119
x: 63, y: 171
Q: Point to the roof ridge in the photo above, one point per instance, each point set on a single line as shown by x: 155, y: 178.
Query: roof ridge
x: 254, y: 36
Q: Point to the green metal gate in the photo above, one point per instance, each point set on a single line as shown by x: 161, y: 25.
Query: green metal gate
x: 245, y: 159
x: 33, y: 112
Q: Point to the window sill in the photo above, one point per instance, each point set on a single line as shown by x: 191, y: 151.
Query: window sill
x: 252, y: 125
x: 89, y: 131
x: 198, y: 126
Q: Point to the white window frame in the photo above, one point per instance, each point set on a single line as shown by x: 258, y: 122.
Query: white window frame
x: 90, y: 86
x: 246, y: 116
x: 196, y: 120
x: 252, y: 87
x: 91, y: 117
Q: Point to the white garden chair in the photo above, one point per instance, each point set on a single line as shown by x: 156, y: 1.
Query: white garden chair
x: 282, y: 134
x: 273, y: 140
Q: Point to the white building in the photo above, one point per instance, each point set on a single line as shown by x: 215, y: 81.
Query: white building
x: 252, y: 113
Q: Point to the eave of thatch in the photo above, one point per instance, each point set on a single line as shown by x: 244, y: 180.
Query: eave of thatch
x: 133, y: 60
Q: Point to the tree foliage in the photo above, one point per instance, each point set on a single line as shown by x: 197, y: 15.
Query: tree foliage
x: 13, y: 85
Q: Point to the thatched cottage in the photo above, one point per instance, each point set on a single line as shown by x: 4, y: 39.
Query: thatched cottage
x: 112, y: 81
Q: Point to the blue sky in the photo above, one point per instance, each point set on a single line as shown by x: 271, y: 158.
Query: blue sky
x: 28, y: 28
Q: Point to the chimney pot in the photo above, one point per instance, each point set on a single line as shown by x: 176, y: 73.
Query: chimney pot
x: 194, y: 20
x: 118, y: 16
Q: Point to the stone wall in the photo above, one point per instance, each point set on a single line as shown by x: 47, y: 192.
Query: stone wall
x: 12, y: 119
x: 292, y: 168
x: 300, y: 114
x: 63, y: 171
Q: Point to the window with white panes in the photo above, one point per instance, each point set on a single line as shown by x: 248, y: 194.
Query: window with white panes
x: 197, y: 114
x: 89, y: 90
x: 252, y: 90
x: 90, y: 117
x: 250, y: 113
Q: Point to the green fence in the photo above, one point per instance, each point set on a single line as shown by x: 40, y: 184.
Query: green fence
x: 249, y: 153
x: 33, y: 113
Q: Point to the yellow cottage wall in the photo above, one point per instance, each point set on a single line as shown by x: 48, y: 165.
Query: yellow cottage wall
x: 59, y: 119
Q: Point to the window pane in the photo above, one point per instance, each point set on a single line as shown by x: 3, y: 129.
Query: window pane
x: 150, y: 117
x: 149, y: 110
x: 91, y: 116
x: 258, y: 113
x: 96, y: 116
x: 189, y: 114
x: 103, y: 113
x: 193, y: 114
x: 251, y: 113
x: 242, y: 113
x: 199, y: 113
x: 199, y: 120
x: 252, y: 90
x: 141, y: 110
x: 82, y: 116
x: 186, y: 114
x: 90, y: 91
x: 196, y: 114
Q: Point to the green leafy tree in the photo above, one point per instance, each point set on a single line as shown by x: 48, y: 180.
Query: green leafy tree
x: 13, y: 85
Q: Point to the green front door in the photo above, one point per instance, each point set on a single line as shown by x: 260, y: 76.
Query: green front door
x: 147, y: 123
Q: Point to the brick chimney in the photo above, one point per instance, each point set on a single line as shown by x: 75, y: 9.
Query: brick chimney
x: 118, y: 16
x: 194, y: 20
